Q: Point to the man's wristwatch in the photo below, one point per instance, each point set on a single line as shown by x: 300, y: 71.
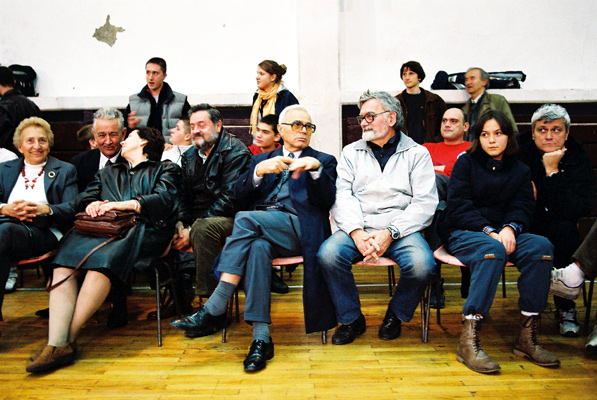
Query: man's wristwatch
x: 394, y: 233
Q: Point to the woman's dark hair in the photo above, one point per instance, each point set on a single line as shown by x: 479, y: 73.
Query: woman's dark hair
x: 155, y: 142
x: 272, y: 67
x: 506, y: 127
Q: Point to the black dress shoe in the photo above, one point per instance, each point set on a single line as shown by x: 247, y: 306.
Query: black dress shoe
x: 118, y: 315
x: 202, y: 323
x: 347, y: 333
x: 259, y: 353
x: 278, y: 285
x: 45, y: 313
x: 391, y: 326
x: 169, y: 310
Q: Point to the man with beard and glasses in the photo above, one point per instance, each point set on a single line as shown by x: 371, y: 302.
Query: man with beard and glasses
x: 209, y: 169
x: 385, y: 197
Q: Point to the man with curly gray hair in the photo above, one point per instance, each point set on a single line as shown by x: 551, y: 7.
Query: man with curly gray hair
x: 385, y: 197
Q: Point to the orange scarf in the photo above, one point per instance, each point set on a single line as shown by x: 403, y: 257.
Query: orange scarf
x: 268, y: 108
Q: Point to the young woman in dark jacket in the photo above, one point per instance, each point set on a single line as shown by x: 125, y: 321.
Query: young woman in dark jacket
x: 490, y: 205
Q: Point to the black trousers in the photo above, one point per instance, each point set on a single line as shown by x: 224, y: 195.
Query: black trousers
x: 19, y: 241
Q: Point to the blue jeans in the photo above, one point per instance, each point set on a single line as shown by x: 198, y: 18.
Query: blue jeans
x: 486, y: 257
x: 413, y: 256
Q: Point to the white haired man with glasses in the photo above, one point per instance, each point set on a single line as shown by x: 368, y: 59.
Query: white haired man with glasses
x: 385, y: 196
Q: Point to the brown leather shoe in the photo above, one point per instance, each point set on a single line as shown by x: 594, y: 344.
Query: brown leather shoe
x: 52, y: 358
x: 528, y: 346
x: 470, y: 352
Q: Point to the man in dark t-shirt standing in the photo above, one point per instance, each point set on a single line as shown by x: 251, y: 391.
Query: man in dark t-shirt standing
x: 422, y: 110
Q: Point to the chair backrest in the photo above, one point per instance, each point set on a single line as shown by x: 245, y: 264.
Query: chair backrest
x: 442, y: 255
x: 38, y: 258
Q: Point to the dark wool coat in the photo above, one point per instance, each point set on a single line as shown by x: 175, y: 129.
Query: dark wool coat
x: 312, y: 199
x: 155, y: 185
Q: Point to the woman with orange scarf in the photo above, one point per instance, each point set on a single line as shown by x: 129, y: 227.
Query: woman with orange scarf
x: 271, y: 96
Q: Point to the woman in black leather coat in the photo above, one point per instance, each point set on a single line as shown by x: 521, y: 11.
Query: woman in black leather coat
x: 145, y: 186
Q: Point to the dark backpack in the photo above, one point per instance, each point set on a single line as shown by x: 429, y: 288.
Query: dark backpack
x: 25, y: 78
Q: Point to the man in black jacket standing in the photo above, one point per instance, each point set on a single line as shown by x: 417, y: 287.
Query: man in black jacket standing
x: 564, y: 185
x: 209, y: 170
x: 14, y: 107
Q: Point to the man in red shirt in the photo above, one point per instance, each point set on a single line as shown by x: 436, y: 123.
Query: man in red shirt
x: 444, y: 155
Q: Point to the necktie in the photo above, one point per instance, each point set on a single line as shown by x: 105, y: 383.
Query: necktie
x: 283, y: 178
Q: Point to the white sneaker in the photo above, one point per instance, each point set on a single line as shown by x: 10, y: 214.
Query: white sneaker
x: 568, y: 324
x: 11, y: 282
x: 559, y: 288
x: 591, y: 345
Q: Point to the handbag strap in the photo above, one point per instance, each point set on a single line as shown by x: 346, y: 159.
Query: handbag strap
x: 50, y: 287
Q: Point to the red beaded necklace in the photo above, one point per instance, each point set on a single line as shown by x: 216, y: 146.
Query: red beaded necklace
x: 27, y: 185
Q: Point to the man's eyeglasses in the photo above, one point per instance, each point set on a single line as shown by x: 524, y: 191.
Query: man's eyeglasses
x: 369, y: 117
x: 297, y: 126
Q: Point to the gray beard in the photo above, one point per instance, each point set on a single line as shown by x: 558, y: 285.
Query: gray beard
x: 205, y: 145
x: 369, y: 135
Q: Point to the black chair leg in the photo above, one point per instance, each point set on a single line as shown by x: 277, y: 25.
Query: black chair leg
x: 425, y: 313
x: 438, y: 288
x: 588, y: 310
x: 3, y: 278
x: 158, y: 305
x: 391, y: 279
x: 504, y: 283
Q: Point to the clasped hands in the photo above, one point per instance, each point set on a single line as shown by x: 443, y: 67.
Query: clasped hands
x: 25, y: 210
x: 506, y: 237
x: 101, y: 207
x: 371, y: 245
x: 278, y: 164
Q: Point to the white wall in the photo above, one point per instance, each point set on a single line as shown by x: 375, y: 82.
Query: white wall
x: 553, y: 41
x: 210, y: 46
x: 334, y: 49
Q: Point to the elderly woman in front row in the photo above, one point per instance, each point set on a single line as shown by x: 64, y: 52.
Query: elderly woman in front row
x: 143, y: 185
x: 37, y: 197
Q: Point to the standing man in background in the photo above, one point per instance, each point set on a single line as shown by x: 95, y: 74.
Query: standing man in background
x: 14, y: 107
x: 422, y: 110
x: 156, y: 105
x: 476, y: 81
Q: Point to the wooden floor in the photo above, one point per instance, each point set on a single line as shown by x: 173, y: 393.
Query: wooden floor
x: 126, y: 362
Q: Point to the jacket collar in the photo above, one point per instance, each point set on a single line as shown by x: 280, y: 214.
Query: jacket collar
x: 404, y: 144
x: 487, y: 162
x: 166, y: 93
x: 51, y: 170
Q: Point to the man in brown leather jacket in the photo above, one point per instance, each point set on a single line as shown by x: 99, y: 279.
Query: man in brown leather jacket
x: 422, y: 109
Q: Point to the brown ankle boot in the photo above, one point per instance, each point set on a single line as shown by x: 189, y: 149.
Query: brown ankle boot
x: 528, y: 346
x: 470, y: 352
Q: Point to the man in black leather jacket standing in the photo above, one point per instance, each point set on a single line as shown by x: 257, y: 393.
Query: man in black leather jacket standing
x: 209, y: 170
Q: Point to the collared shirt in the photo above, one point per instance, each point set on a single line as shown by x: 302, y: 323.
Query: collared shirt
x: 104, y: 160
x: 383, y: 154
